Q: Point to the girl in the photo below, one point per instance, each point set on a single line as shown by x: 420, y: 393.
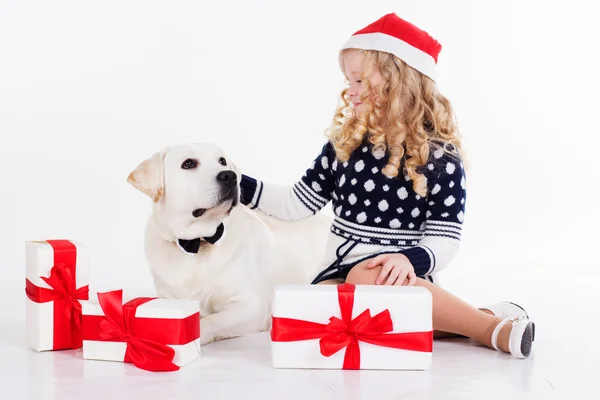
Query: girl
x: 393, y: 170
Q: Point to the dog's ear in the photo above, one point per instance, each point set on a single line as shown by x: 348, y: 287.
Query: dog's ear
x: 148, y: 177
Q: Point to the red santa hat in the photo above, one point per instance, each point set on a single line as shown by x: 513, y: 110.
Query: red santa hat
x: 394, y: 35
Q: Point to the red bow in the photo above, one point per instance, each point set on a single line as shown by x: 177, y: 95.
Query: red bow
x: 145, y: 337
x: 347, y: 332
x: 64, y: 294
x: 118, y: 324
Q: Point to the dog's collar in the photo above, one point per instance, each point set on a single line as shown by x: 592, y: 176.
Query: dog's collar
x: 192, y: 246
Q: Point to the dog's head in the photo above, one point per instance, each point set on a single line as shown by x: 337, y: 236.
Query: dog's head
x: 193, y: 187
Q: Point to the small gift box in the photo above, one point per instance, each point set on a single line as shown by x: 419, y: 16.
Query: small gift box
x: 152, y: 333
x: 352, y: 327
x: 57, y: 274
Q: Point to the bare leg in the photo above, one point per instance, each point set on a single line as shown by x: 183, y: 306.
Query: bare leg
x: 450, y: 314
x: 437, y: 334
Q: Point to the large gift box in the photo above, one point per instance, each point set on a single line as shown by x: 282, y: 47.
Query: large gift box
x: 57, y: 274
x: 352, y: 327
x: 154, y: 334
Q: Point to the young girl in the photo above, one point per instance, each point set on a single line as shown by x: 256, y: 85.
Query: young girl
x: 393, y: 170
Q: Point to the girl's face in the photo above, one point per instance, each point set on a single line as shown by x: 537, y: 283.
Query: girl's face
x: 353, y: 66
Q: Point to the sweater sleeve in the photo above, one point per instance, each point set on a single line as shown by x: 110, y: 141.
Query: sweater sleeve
x: 446, y: 182
x: 293, y: 202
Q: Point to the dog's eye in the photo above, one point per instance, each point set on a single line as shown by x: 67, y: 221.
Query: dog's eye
x: 189, y: 164
x: 222, y: 161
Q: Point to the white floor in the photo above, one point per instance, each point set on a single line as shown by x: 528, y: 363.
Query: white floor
x: 565, y: 363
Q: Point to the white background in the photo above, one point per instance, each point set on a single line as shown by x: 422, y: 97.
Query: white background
x: 88, y: 89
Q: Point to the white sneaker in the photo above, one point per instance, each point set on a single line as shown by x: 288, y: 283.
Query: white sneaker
x: 521, y: 336
x: 507, y: 309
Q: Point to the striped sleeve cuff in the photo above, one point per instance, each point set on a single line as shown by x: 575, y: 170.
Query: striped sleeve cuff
x: 250, y: 190
x: 421, y: 258
x: 444, y: 229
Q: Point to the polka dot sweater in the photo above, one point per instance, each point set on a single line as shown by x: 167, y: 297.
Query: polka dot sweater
x: 373, y: 213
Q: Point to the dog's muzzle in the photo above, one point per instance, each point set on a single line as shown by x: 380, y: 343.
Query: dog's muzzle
x: 229, y: 186
x: 227, y: 178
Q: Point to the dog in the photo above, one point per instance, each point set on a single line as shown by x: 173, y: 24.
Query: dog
x: 201, y: 243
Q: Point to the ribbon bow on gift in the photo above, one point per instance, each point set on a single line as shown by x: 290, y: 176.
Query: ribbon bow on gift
x: 64, y: 294
x: 118, y: 323
x: 347, y: 332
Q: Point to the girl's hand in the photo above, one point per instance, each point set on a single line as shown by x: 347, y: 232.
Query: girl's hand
x: 396, y: 268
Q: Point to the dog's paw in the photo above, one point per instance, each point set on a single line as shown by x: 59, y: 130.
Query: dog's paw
x: 206, y: 340
x: 225, y: 337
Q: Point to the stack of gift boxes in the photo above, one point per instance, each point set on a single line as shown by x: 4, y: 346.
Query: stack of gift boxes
x: 313, y: 326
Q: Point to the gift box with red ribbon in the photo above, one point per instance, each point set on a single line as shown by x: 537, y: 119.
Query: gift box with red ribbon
x: 352, y: 327
x: 57, y: 274
x: 154, y: 334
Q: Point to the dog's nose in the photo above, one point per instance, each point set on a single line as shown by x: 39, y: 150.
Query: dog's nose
x: 227, y: 178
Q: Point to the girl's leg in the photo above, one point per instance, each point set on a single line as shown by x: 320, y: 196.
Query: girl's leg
x: 453, y: 315
x: 437, y: 334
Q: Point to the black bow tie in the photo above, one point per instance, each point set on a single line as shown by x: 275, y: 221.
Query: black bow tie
x: 193, y: 245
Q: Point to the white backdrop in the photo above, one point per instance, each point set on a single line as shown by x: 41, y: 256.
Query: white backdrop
x: 88, y: 89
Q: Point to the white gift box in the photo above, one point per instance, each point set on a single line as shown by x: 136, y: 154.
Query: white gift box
x: 410, y: 311
x: 40, y: 257
x: 174, y: 323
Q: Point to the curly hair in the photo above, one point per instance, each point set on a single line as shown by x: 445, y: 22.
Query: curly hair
x: 410, y: 118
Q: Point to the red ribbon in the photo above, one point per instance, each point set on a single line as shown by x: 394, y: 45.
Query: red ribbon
x: 146, y: 338
x: 347, y: 332
x: 64, y: 294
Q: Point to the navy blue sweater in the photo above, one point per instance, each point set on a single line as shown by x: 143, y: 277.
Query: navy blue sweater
x: 378, y: 213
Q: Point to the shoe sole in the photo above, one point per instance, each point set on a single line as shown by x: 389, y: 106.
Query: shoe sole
x: 527, y: 339
x: 527, y: 315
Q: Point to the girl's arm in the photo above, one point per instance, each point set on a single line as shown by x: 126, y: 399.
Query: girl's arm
x: 293, y: 202
x: 445, y: 213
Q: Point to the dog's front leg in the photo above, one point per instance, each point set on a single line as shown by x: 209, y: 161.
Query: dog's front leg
x: 234, y: 318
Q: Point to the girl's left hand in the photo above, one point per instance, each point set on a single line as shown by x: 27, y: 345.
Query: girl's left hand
x: 396, y: 268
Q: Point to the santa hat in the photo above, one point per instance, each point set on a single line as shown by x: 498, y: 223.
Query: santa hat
x: 394, y: 35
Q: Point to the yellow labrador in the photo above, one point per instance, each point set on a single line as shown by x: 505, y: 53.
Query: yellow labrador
x: 202, y: 244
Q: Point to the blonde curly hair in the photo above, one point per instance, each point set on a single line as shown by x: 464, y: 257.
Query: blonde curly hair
x: 410, y: 117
